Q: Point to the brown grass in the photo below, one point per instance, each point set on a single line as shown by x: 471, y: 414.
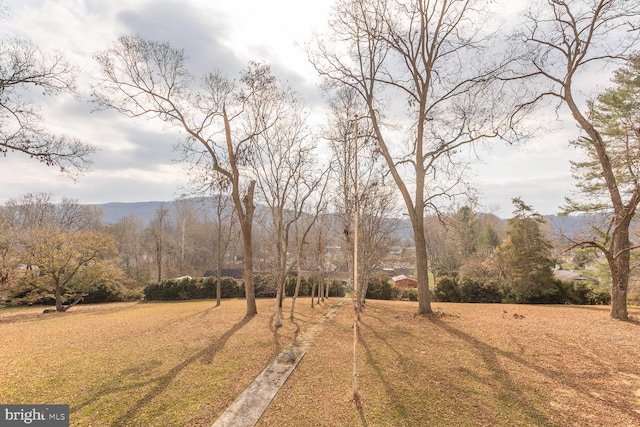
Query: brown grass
x: 183, y: 363
x: 144, y: 364
x: 468, y: 365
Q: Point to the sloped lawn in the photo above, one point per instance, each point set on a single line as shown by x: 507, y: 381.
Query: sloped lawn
x: 183, y: 363
x: 141, y: 364
x: 468, y: 365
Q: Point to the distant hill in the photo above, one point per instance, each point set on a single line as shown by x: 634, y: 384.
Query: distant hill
x: 146, y: 211
x: 569, y: 225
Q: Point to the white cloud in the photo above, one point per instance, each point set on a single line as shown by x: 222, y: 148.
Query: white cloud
x: 136, y: 161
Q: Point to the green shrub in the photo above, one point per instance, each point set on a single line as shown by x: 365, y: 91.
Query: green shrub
x: 192, y: 288
x: 447, y: 290
x: 290, y: 285
x: 264, y: 285
x: 380, y: 287
x: 475, y: 291
x: 408, y: 294
x: 106, y: 292
x: 585, y: 293
x: 102, y: 292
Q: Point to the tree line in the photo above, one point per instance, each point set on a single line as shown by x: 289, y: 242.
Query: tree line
x: 418, y: 82
x: 62, y: 253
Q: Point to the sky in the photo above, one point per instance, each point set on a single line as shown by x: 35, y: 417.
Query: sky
x: 136, y: 161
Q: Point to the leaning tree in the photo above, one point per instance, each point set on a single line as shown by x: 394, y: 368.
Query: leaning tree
x: 564, y: 40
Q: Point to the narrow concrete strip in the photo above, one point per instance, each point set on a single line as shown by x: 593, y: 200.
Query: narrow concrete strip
x: 249, y: 406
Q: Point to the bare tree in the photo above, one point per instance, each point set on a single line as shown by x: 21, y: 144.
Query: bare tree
x: 158, y: 234
x: 284, y: 171
x: 9, y: 253
x: 422, y: 69
x: 24, y: 66
x: 224, y: 227
x: 376, y: 199
x: 39, y: 211
x: 128, y: 232
x: 315, y: 252
x: 566, y: 38
x: 302, y: 229
x: 143, y: 78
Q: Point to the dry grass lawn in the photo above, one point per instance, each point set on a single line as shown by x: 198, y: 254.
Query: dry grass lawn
x: 468, y: 365
x: 183, y: 363
x: 141, y: 364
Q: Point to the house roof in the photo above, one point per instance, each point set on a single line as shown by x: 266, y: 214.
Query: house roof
x: 402, y: 277
x: 570, y: 276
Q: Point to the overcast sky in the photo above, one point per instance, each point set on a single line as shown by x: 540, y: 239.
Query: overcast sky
x: 136, y: 161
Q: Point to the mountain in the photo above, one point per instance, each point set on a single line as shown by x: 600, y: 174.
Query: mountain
x: 146, y: 211
x: 569, y: 224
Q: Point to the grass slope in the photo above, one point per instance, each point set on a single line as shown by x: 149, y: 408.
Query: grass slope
x: 468, y: 365
x: 183, y: 363
x: 144, y: 364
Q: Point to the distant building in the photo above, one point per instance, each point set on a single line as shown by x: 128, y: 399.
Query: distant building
x: 403, y: 281
x: 572, y: 276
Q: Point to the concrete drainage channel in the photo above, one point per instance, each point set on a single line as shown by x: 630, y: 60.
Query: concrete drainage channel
x: 249, y: 406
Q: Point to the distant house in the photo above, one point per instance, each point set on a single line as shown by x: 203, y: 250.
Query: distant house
x: 572, y: 276
x: 403, y: 281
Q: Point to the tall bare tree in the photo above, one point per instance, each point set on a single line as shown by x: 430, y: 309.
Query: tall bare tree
x: 128, y: 232
x: 284, y: 165
x: 422, y: 69
x: 24, y: 66
x: 376, y: 199
x: 567, y: 39
x: 302, y: 229
x: 224, y: 227
x: 40, y: 211
x: 159, y: 236
x: 144, y: 78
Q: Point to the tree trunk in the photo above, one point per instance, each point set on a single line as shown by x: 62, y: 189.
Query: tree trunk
x: 619, y: 266
x: 218, y: 286
x: 246, y: 226
x: 618, y: 256
x: 58, y: 297
x: 247, y: 276
x: 278, y: 306
x: 76, y: 301
x: 219, y: 261
x: 297, y: 290
x: 619, y: 300
x: 424, y: 297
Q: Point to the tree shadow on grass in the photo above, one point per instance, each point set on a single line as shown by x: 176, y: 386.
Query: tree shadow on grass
x: 511, y: 391
x: 160, y: 383
x: 379, y: 369
x: 360, y: 409
x: 508, y: 391
x: 201, y: 314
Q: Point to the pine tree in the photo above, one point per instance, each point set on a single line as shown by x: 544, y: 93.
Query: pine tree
x: 524, y: 257
x: 609, y: 178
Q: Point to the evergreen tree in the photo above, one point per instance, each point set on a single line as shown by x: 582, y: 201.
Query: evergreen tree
x: 608, y: 180
x: 524, y: 258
